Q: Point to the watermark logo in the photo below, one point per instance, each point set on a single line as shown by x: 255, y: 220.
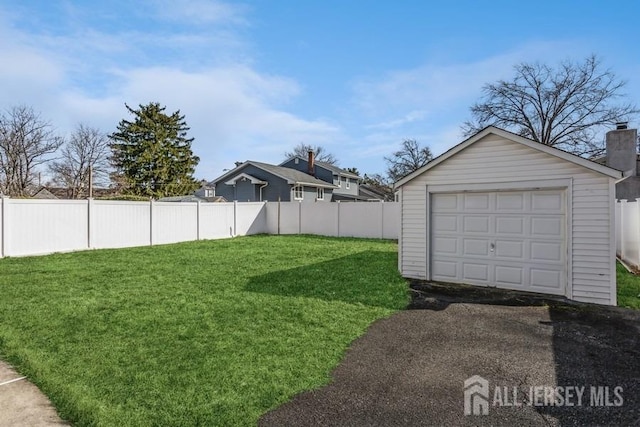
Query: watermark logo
x: 476, y: 396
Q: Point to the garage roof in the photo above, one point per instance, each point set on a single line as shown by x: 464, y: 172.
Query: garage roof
x: 613, y: 173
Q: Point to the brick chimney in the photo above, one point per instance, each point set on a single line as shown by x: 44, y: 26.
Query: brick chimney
x: 621, y: 148
x: 622, y: 155
x: 311, y: 164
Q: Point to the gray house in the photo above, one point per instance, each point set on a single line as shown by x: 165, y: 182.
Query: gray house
x: 346, y: 183
x: 255, y: 182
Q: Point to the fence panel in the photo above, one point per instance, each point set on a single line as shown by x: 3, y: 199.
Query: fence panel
x: 32, y: 227
x: 390, y: 220
x: 120, y: 224
x: 361, y: 220
x: 290, y: 217
x: 174, y: 222
x: 628, y: 232
x: 216, y: 220
x: 250, y: 218
x: 35, y: 227
x: 319, y: 218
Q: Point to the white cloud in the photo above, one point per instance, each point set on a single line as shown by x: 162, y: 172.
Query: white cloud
x: 234, y: 111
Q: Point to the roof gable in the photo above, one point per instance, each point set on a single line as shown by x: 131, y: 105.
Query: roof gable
x: 572, y: 158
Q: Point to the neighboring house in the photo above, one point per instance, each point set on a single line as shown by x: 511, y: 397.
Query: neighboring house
x: 190, y: 198
x: 375, y: 194
x: 43, y: 193
x: 502, y: 210
x: 255, y: 181
x: 207, y: 192
x: 346, y: 184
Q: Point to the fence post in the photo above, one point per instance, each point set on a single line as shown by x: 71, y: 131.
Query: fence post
x: 89, y: 221
x: 3, y: 220
x: 198, y: 220
x: 235, y: 218
x: 338, y: 218
x: 382, y: 219
x: 300, y: 217
x: 623, y: 206
x: 151, y: 211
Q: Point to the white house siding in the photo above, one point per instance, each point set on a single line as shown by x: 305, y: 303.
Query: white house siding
x: 413, y: 237
x: 494, y: 159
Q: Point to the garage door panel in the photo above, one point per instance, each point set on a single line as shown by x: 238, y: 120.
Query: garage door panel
x: 547, y: 202
x: 476, y: 201
x: 447, y: 245
x: 509, y: 275
x: 546, y: 251
x: 510, y: 201
x: 445, y: 270
x: 510, y: 249
x: 443, y: 223
x: 547, y: 226
x: 546, y: 279
x: 475, y: 272
x: 447, y: 202
x: 475, y: 247
x: 510, y: 225
x: 476, y: 224
x: 513, y: 239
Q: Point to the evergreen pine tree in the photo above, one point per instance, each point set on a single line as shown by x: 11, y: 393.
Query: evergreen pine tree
x: 152, y: 155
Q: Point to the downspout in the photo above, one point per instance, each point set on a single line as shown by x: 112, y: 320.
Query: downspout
x: 261, y: 187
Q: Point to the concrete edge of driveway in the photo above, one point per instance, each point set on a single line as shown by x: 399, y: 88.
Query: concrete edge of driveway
x: 22, y: 403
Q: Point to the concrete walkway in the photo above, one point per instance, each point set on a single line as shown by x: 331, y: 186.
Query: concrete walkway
x: 22, y: 404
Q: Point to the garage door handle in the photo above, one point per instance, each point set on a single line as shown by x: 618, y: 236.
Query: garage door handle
x: 492, y: 247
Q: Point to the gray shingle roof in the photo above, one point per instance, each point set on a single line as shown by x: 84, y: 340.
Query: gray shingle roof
x: 292, y: 175
x: 335, y: 169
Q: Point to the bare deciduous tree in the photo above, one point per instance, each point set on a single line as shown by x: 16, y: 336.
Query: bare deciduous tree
x: 321, y: 155
x: 565, y: 107
x: 409, y: 158
x: 25, y: 142
x: 87, y: 151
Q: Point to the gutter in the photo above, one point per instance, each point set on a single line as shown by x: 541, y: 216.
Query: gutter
x: 261, y: 187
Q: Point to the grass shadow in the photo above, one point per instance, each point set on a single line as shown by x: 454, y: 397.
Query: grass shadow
x: 369, y: 278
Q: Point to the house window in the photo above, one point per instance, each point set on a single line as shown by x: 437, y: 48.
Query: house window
x: 296, y: 161
x: 209, y: 193
x: 298, y: 193
x: 339, y: 181
x: 348, y: 184
x: 320, y: 194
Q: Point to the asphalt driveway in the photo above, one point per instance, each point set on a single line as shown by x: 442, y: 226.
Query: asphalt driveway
x: 539, y: 356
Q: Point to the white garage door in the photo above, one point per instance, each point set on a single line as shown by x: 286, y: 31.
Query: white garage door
x: 513, y: 240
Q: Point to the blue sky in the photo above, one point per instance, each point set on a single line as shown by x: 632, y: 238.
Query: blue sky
x: 255, y: 78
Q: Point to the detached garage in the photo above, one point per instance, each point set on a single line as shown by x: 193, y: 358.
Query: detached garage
x: 502, y: 210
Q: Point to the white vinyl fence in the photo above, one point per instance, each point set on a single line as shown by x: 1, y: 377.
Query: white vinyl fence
x: 628, y: 232
x: 34, y: 227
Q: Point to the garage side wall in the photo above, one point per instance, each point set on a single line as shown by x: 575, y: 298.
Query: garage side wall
x: 494, y: 159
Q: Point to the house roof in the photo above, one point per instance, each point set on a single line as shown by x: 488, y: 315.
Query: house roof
x: 292, y: 176
x: 328, y: 166
x: 185, y: 198
x: 580, y: 161
x: 253, y: 179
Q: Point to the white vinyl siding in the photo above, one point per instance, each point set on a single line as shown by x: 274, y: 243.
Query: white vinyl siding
x: 494, y: 159
x: 414, y: 232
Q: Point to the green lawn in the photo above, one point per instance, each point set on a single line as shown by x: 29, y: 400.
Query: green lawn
x: 201, y: 333
x: 628, y: 288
